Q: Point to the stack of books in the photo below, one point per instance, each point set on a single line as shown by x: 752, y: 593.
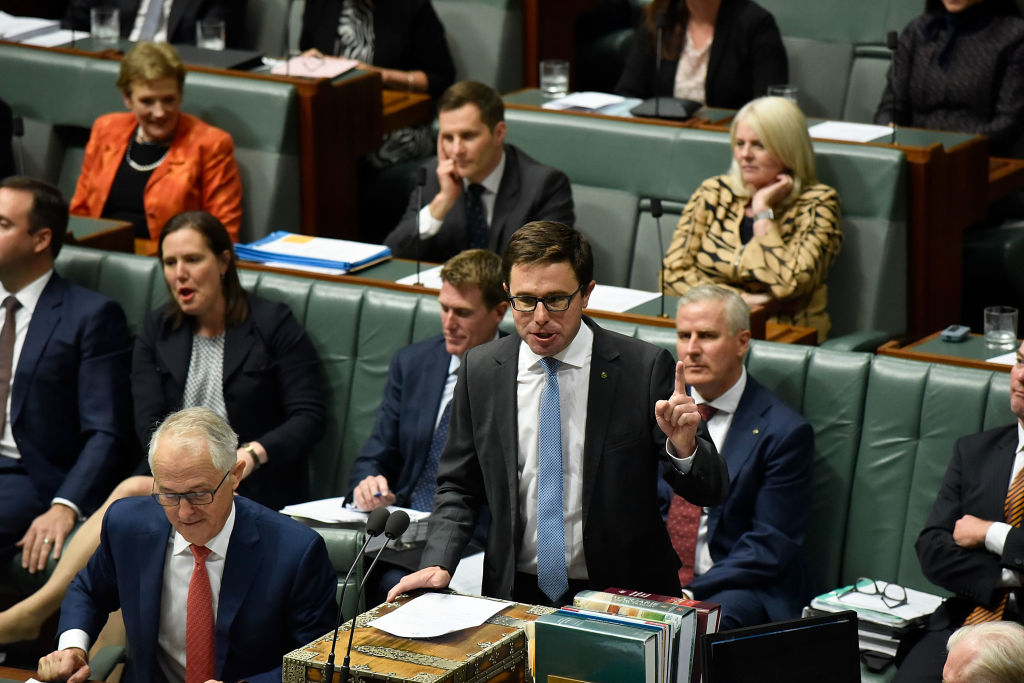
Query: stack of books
x: 617, y: 636
x: 316, y: 254
x: 881, y: 623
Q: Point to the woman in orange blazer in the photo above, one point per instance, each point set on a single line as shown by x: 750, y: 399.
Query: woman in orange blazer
x: 154, y: 161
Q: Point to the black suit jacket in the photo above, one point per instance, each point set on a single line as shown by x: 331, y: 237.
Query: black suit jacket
x: 624, y: 537
x: 747, y: 56
x: 407, y: 35
x: 272, y: 391
x: 181, y: 23
x: 976, y: 482
x: 529, y: 191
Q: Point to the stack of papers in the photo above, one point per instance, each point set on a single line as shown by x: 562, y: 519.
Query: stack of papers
x: 873, y: 609
x: 321, y: 254
x: 594, y: 102
x: 310, y: 66
x: 334, y: 512
x: 22, y: 29
x: 849, y: 132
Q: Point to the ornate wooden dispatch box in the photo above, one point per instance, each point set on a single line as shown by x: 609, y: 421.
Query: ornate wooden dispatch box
x: 494, y: 651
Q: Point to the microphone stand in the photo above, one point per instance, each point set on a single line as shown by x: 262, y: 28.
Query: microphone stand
x: 656, y: 212
x: 375, y: 523
x: 892, y: 42
x: 396, y: 526
x: 421, y: 180
x: 660, y: 21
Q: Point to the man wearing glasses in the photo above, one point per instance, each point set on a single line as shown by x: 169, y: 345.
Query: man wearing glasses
x: 972, y: 544
x: 562, y: 432
x: 211, y: 586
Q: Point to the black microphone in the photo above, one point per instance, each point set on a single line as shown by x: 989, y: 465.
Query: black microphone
x: 18, y: 131
x: 659, y: 21
x: 656, y: 212
x: 421, y: 180
x: 375, y: 523
x: 396, y: 526
x: 892, y: 42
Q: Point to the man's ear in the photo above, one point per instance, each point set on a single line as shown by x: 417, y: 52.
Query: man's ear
x: 42, y: 238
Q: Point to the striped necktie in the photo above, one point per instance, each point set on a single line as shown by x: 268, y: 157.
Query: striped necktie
x: 683, y: 521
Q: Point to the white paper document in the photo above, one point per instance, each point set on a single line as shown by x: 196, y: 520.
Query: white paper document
x: 435, y: 614
x: 618, y: 299
x: 309, y: 66
x: 334, y: 511
x: 1008, y: 358
x: 589, y: 101
x: 849, y: 132
x: 431, y: 277
x: 55, y: 38
x: 18, y: 29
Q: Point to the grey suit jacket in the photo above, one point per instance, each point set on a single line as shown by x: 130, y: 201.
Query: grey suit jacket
x: 529, y: 191
x: 624, y: 537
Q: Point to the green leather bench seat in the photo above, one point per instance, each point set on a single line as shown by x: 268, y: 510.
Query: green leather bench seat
x: 60, y: 95
x: 616, y: 166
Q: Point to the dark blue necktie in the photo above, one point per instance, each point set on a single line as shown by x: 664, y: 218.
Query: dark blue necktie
x: 476, y: 217
x: 552, y: 577
x: 152, y: 20
x: 423, y: 495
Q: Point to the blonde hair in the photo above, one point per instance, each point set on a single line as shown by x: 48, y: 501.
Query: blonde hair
x: 782, y: 129
x: 150, y: 62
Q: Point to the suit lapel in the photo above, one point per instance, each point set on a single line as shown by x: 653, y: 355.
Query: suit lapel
x: 997, y: 475
x: 604, y: 383
x: 152, y: 553
x: 238, y: 342
x: 45, y: 318
x: 241, y: 566
x: 429, y: 387
x: 505, y: 202
x: 174, y: 351
x: 504, y: 373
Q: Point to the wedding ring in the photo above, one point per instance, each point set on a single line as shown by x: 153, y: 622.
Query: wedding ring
x: 46, y: 541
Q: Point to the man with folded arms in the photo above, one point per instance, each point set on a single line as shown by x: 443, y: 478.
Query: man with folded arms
x: 744, y: 554
x: 212, y: 586
x: 562, y: 432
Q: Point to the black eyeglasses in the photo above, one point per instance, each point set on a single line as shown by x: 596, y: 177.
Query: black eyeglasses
x: 891, y: 594
x: 193, y: 497
x: 553, y: 303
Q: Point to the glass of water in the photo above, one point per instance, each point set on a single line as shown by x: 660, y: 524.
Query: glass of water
x: 1001, y: 326
x: 786, y: 90
x: 210, y: 34
x: 554, y: 78
x: 105, y: 25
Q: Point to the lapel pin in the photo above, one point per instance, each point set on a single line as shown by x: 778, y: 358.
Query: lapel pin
x: 757, y: 431
x: 604, y: 375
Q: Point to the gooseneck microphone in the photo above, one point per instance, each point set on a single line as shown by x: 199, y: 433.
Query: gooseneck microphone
x: 395, y: 527
x: 421, y: 180
x: 659, y: 21
x: 656, y: 212
x: 892, y: 42
x: 375, y: 523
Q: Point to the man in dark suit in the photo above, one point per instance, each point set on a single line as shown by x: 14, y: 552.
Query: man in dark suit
x: 970, y: 546
x: 748, y: 549
x: 211, y: 586
x: 562, y: 432
x: 483, y: 190
x: 176, y: 22
x: 66, y: 435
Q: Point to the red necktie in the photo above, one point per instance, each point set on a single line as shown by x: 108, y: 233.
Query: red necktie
x: 1013, y: 511
x: 200, y: 657
x: 684, y: 519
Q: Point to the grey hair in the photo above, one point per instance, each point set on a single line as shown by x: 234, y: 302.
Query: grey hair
x: 737, y: 313
x: 193, y: 428
x: 999, y: 651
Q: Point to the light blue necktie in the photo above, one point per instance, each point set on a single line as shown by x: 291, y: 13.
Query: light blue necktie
x: 551, y: 571
x: 423, y: 495
x: 154, y: 13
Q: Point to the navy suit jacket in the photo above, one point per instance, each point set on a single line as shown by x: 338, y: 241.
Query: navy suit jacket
x: 756, y: 535
x: 272, y: 391
x: 975, y: 483
x: 277, y: 592
x: 624, y: 537
x: 70, y: 400
x: 398, y: 446
x: 529, y: 191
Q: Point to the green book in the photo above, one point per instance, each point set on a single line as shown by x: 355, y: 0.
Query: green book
x: 682, y: 619
x: 594, y: 651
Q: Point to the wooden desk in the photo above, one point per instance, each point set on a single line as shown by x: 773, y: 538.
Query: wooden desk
x: 101, y: 233
x: 9, y: 673
x: 339, y: 121
x: 968, y: 354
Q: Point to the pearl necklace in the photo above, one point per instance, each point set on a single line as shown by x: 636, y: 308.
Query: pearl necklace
x: 143, y: 168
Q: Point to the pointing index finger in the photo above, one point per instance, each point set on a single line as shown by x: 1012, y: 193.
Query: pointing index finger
x: 680, y: 378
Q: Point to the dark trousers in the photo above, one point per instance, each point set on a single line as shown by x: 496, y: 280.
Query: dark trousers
x: 20, y: 503
x: 525, y: 590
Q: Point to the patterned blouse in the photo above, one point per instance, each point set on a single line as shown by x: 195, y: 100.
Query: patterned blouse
x: 790, y: 263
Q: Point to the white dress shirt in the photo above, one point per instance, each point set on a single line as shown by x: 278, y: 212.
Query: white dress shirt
x: 430, y: 226
x: 718, y: 428
x: 140, y: 17
x: 995, y: 537
x: 178, y: 563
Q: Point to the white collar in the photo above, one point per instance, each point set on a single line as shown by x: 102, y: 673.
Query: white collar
x: 218, y: 545
x: 729, y: 401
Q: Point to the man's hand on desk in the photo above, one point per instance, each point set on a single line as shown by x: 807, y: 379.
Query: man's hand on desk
x: 428, y: 577
x: 64, y: 665
x: 373, y: 492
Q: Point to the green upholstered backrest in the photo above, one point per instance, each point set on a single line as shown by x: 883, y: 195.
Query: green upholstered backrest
x: 608, y: 218
x: 866, y: 21
x: 485, y: 38
x: 817, y: 68
x: 866, y: 83
x: 60, y: 95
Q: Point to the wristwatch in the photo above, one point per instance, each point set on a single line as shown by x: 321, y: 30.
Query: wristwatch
x: 767, y: 213
x: 252, y: 454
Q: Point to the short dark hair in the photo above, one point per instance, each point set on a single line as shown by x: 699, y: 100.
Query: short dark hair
x: 49, y: 208
x: 479, y: 267
x: 541, y: 242
x: 236, y: 304
x: 486, y: 99
x: 999, y: 8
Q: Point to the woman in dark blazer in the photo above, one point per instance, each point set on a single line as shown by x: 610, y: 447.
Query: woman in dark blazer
x: 746, y: 53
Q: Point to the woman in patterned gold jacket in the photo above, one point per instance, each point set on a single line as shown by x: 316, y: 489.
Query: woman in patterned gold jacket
x: 767, y: 229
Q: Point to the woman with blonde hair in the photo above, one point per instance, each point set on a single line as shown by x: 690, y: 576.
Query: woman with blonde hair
x: 766, y: 229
